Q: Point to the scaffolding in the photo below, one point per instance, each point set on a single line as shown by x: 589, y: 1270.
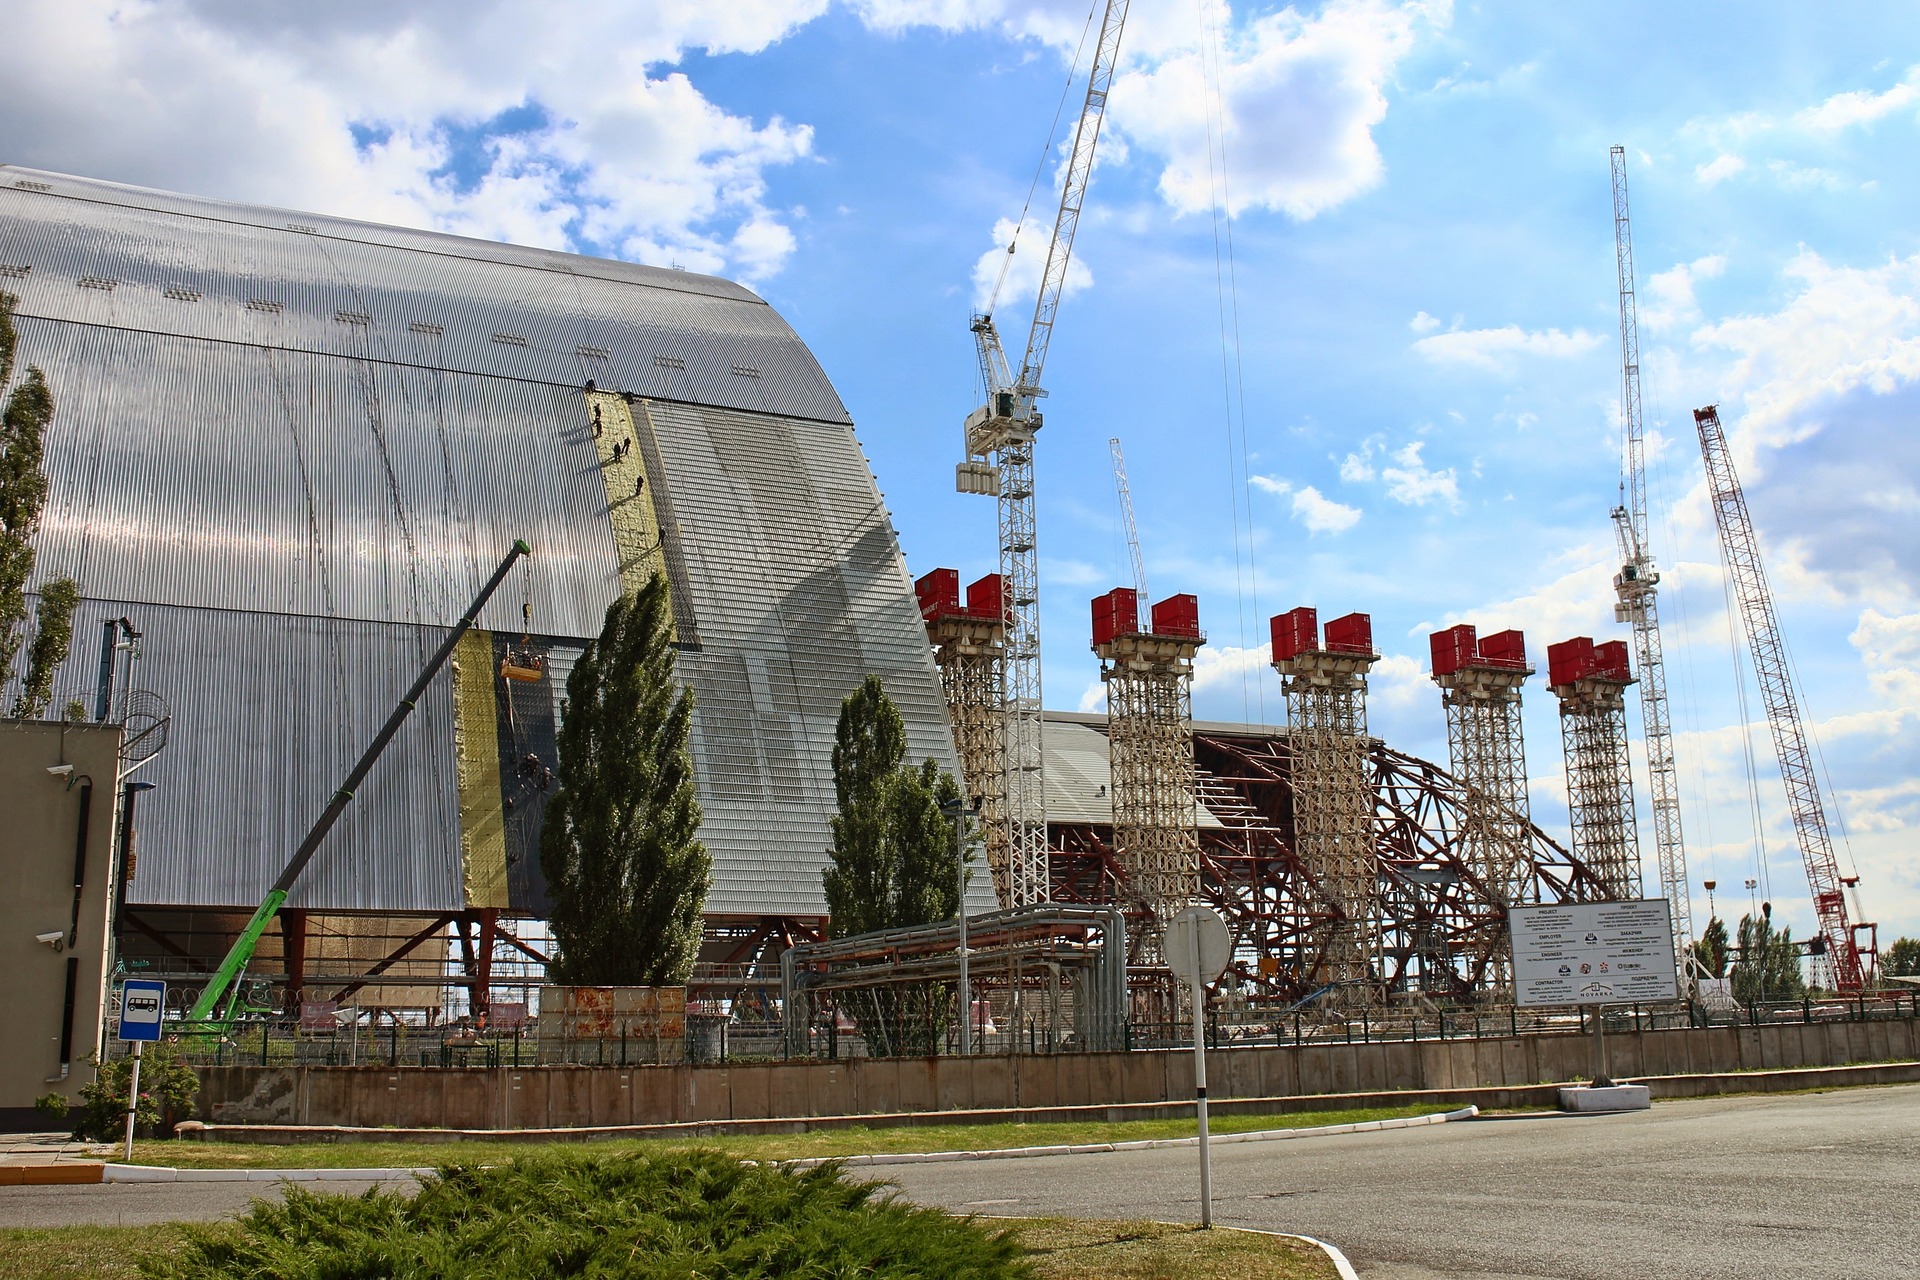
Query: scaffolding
x: 1333, y: 796
x: 1480, y: 688
x: 1149, y: 678
x: 1591, y: 682
x: 969, y: 648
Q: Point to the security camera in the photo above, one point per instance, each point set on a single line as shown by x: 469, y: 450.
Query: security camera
x: 59, y: 770
x: 57, y: 940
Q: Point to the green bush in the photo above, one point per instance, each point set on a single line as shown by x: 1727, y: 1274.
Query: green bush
x: 674, y: 1215
x: 168, y: 1087
x: 54, y: 1106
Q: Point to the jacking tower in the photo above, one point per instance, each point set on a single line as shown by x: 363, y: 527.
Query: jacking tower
x: 970, y: 648
x: 1480, y: 688
x: 1333, y: 796
x: 1591, y: 682
x: 1149, y: 678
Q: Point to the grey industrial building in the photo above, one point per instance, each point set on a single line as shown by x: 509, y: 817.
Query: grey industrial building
x: 289, y: 449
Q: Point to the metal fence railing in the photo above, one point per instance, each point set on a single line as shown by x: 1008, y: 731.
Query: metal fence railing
x: 714, y: 1039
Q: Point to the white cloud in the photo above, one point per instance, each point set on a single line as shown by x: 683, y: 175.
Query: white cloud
x: 1848, y: 327
x: 1668, y: 299
x: 1298, y: 97
x: 1094, y: 697
x: 1719, y: 169
x: 1022, y: 269
x: 1313, y: 509
x: 1497, y: 350
x: 1890, y: 649
x: 1861, y: 106
x: 1217, y: 665
x: 395, y: 114
x: 1412, y: 483
x: 1423, y: 323
x: 1357, y: 468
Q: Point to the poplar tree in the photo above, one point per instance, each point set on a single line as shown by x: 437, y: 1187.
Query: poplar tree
x: 1768, y: 967
x: 892, y: 861
x: 625, y: 868
x: 23, y: 492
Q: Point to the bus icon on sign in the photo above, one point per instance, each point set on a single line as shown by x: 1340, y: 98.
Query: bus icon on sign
x: 142, y: 1001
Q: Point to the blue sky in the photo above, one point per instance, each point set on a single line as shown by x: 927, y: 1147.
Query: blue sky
x: 1422, y: 358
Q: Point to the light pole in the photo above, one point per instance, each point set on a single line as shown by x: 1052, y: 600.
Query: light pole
x: 957, y: 810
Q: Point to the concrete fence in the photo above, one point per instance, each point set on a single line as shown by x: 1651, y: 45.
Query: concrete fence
x: 583, y: 1097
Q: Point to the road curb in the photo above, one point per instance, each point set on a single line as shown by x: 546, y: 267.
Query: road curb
x: 160, y: 1173
x: 1339, y: 1259
x: 1143, y: 1144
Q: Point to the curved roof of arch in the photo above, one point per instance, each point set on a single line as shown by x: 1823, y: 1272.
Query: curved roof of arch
x: 292, y: 447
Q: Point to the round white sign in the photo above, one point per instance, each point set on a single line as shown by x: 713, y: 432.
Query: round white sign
x: 1198, y: 945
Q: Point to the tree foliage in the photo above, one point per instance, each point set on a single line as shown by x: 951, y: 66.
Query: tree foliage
x: 52, y: 641
x: 23, y: 485
x: 23, y: 494
x: 1710, y: 948
x: 1901, y: 959
x: 624, y: 864
x: 168, y: 1088
x: 1768, y: 964
x: 892, y: 860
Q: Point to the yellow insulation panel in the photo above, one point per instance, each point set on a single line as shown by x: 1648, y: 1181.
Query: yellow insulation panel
x: 623, y: 466
x: 476, y: 748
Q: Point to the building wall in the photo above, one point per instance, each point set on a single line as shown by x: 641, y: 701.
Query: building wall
x: 39, y: 836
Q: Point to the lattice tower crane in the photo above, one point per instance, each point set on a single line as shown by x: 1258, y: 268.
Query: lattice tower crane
x: 1635, y: 589
x: 1741, y: 549
x: 999, y: 450
x: 1125, y: 492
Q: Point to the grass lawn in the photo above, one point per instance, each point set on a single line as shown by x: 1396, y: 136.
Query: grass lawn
x: 1059, y: 1248
x: 832, y: 1142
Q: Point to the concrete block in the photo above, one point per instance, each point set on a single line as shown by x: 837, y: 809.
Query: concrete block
x: 787, y: 1086
x: 1622, y: 1097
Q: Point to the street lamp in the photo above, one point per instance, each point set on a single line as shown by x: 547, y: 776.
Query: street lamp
x: 957, y: 810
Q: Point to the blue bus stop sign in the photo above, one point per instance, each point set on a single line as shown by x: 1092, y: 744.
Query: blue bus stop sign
x: 141, y: 1003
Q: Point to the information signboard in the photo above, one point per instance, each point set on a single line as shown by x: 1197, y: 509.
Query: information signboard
x: 1593, y: 953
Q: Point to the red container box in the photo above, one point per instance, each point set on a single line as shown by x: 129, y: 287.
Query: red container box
x: 1570, y: 660
x: 1453, y: 649
x: 987, y: 598
x: 1506, y: 649
x: 1177, y: 616
x: 1116, y: 613
x: 1610, y: 660
x: 939, y: 593
x: 1351, y: 634
x: 1294, y: 633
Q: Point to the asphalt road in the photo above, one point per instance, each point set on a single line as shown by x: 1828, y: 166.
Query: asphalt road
x: 1818, y: 1185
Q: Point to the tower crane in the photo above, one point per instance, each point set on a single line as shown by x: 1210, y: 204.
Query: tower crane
x: 1741, y: 549
x: 999, y: 439
x: 1635, y: 590
x: 1125, y: 491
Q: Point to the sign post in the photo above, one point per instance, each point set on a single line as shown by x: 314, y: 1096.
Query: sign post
x: 142, y: 1001
x: 1198, y: 948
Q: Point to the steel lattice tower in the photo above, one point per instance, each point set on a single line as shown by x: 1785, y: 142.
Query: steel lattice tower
x: 1591, y: 682
x: 1635, y: 586
x: 1149, y: 679
x: 1480, y: 689
x: 1741, y: 547
x: 969, y: 648
x: 1333, y: 796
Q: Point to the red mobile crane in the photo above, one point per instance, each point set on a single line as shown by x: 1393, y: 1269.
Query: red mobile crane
x: 1850, y: 963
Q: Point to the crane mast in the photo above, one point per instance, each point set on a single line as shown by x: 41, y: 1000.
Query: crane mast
x: 1741, y: 549
x: 1635, y: 589
x: 999, y: 449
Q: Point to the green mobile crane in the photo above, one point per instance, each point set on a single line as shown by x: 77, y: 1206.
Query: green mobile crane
x: 214, y: 1011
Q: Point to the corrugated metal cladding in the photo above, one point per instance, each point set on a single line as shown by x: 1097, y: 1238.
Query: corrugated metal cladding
x: 293, y: 455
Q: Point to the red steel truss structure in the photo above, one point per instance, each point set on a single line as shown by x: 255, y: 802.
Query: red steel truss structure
x: 1439, y: 923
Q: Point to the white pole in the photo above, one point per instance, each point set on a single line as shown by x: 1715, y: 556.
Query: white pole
x: 1200, y: 1082
x: 133, y: 1098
